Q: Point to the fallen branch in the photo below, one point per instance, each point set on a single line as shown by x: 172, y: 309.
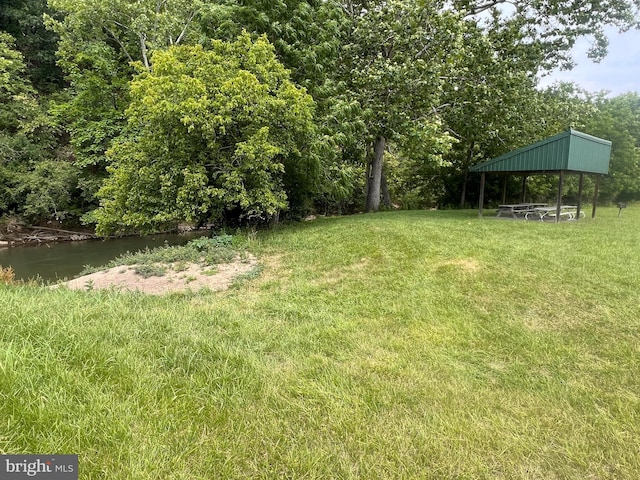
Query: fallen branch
x: 49, y: 229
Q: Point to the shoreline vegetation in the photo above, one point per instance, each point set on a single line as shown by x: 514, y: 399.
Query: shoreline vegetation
x: 212, y: 263
x: 414, y: 344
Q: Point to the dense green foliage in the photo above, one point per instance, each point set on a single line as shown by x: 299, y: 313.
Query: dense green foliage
x: 211, y: 132
x: 36, y: 180
x: 16, y: 104
x: 480, y: 349
x: 23, y: 20
x: 618, y: 119
x: 407, y: 96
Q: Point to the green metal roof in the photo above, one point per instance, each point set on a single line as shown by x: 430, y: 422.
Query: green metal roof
x: 569, y: 151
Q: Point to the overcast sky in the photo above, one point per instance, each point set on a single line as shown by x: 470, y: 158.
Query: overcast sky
x: 618, y: 73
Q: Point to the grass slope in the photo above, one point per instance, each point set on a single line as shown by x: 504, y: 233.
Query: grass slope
x: 396, y: 345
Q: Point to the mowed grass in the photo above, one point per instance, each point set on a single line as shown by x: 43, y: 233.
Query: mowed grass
x: 404, y: 345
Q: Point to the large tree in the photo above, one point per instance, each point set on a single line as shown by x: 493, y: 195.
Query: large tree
x: 16, y: 106
x: 307, y: 36
x: 100, y: 42
x: 491, y: 100
x: 133, y: 29
x: 212, y: 132
x: 398, y: 56
x: 394, y: 59
x: 555, y: 26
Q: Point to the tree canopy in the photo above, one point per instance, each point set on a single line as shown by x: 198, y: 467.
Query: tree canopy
x: 212, y: 131
x: 349, y: 105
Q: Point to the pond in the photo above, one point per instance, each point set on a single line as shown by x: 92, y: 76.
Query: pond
x: 56, y: 261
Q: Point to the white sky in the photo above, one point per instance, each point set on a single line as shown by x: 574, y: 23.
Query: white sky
x: 618, y: 73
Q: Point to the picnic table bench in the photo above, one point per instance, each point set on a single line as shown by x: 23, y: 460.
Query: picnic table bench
x: 522, y: 209
x: 549, y: 213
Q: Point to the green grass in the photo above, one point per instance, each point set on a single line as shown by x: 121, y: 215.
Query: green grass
x: 396, y: 345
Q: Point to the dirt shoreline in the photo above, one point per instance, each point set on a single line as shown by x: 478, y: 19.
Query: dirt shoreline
x: 194, y: 277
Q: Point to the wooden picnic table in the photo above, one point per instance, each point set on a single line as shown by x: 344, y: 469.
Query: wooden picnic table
x: 515, y: 209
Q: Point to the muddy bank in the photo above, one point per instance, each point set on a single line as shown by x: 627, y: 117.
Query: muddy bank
x: 18, y: 235
x: 15, y: 234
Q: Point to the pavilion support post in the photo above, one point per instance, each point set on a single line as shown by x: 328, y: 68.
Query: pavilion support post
x: 481, y: 200
x: 524, y: 189
x: 580, y: 186
x: 504, y: 188
x: 595, y: 196
x: 559, y: 200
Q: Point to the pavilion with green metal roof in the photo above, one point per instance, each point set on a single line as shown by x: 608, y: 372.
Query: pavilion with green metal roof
x: 570, y: 152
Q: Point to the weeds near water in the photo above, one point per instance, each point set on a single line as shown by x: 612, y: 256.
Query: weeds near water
x: 7, y: 275
x: 147, y: 270
x: 204, y: 244
x: 180, y: 267
x: 152, y: 262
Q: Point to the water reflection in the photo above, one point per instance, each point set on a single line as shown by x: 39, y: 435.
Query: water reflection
x: 56, y: 261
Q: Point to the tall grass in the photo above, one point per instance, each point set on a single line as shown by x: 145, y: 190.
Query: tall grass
x: 395, y: 345
x: 6, y: 275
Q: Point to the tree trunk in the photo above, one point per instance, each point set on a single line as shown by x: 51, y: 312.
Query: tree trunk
x: 375, y: 175
x: 368, y: 162
x: 463, y: 195
x: 143, y: 50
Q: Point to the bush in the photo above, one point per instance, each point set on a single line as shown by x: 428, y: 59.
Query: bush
x: 218, y: 131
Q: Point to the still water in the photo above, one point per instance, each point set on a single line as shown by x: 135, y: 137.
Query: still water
x: 56, y: 261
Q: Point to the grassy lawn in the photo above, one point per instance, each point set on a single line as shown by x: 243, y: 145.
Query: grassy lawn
x: 396, y: 345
